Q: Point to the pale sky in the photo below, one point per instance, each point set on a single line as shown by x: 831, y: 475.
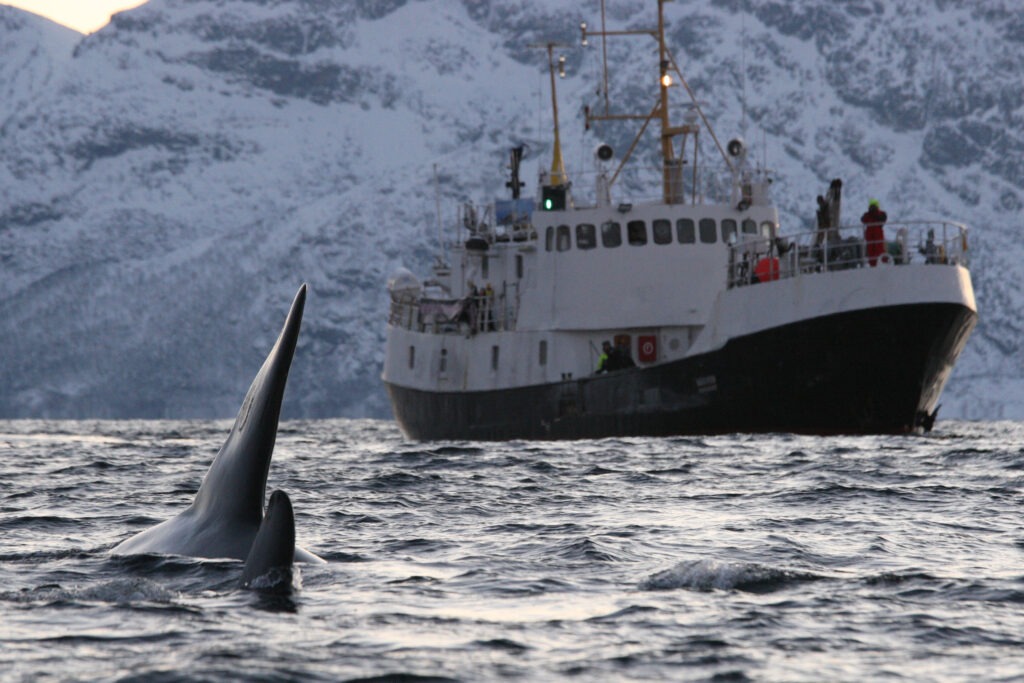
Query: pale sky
x: 85, y: 16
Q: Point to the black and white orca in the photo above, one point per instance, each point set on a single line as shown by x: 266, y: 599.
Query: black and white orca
x: 225, y: 517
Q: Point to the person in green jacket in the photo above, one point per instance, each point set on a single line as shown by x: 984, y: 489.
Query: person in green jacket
x: 603, y: 361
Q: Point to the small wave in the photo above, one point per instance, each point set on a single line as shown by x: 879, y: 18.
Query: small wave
x: 341, y: 556
x: 456, y: 450
x: 967, y: 453
x: 678, y: 469
x: 156, y: 562
x: 394, y: 480
x: 127, y: 590
x: 279, y: 580
x: 402, y: 678
x: 420, y: 545
x: 414, y: 580
x: 187, y: 573
x: 349, y: 518
x: 39, y: 522
x: 696, y: 442
x: 117, y: 591
x: 486, y: 581
x: 41, y: 556
x: 502, y: 644
x: 979, y: 592
x: 707, y: 575
x: 624, y: 612
x: 513, y: 528
x: 642, y: 478
x: 585, y: 549
x: 898, y: 578
x: 101, y: 465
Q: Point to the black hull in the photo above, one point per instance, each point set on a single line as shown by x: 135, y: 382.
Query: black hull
x: 874, y: 371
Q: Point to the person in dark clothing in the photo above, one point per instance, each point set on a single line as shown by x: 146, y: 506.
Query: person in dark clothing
x: 874, y: 234
x: 470, y: 307
x: 623, y: 358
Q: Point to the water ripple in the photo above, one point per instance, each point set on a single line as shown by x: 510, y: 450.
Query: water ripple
x: 732, y: 557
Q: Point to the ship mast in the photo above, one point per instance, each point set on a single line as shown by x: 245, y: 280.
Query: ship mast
x: 672, y: 165
x: 672, y: 185
x: 558, y: 176
x: 555, y: 190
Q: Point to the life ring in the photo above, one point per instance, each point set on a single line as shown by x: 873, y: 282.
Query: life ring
x: 885, y: 259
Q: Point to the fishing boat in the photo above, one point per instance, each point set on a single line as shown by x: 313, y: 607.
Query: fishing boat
x: 693, y: 313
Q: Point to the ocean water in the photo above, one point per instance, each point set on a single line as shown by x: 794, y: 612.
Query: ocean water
x: 727, y: 558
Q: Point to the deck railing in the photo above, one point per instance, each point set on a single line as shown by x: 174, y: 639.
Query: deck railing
x: 760, y: 259
x: 468, y: 315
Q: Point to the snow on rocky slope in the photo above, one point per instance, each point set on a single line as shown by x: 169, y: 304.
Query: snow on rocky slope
x: 168, y: 182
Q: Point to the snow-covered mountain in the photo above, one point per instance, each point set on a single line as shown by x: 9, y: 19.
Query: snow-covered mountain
x: 168, y: 182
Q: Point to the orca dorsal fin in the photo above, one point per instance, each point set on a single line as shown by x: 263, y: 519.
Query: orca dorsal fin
x: 242, y: 464
x: 225, y: 515
x: 268, y: 568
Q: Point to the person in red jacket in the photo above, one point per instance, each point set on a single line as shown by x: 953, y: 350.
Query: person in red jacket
x: 874, y: 235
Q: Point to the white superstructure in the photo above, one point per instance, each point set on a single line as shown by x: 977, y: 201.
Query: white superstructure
x: 505, y: 338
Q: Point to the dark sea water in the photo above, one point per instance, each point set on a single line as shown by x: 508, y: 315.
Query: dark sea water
x: 732, y: 558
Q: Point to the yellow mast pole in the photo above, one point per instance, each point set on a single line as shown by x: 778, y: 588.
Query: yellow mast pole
x: 558, y: 175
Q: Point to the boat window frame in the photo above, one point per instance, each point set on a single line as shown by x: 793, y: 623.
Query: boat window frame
x: 749, y: 227
x: 611, y: 234
x: 586, y: 236
x: 542, y: 353
x: 563, y: 238
x: 686, y: 231
x: 707, y: 230
x: 730, y: 230
x: 664, y: 235
x: 636, y: 232
x: 549, y: 238
x: 495, y: 357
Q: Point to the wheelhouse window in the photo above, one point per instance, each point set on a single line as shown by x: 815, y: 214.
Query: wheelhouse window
x: 662, y: 231
x: 749, y: 227
x: 519, y: 266
x: 563, y: 238
x: 686, y: 231
x: 494, y: 357
x: 586, y: 236
x: 728, y: 230
x: 412, y: 357
x: 444, y: 361
x: 637, y: 233
x: 549, y: 238
x: 767, y: 229
x: 542, y: 352
x: 611, y: 234
x: 707, y: 230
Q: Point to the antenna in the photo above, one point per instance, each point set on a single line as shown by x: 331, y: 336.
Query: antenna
x: 743, y: 73
x: 437, y: 206
x: 604, y: 56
